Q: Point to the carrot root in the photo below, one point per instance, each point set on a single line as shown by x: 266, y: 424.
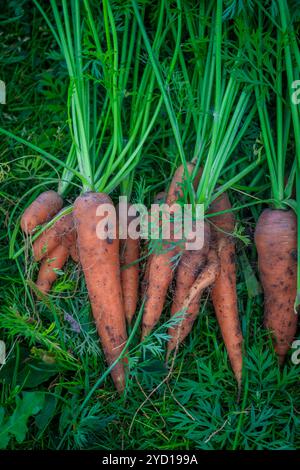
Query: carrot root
x: 276, y: 243
x: 41, y: 210
x: 47, y: 275
x: 100, y: 262
x: 224, y: 296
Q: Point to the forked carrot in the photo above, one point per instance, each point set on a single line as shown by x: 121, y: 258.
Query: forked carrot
x: 190, y: 266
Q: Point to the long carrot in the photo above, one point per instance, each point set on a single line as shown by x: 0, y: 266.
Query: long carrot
x: 276, y: 243
x: 129, y: 256
x: 190, y: 265
x: 223, y: 293
x: 47, y: 274
x: 101, y: 266
x: 159, y: 198
x: 41, y: 210
x: 161, y: 267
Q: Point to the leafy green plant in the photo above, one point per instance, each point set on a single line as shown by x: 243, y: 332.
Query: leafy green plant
x: 15, y: 425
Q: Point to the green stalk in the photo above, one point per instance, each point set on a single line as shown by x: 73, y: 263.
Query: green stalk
x: 167, y: 101
x: 285, y: 21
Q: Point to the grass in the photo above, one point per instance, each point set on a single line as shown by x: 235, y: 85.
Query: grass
x: 53, y: 355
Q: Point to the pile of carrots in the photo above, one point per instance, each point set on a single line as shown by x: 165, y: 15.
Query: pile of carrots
x: 224, y: 95
x: 112, y: 271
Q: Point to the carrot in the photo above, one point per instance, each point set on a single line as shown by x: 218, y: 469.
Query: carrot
x: 47, y: 275
x: 161, y: 266
x: 101, y: 266
x: 223, y: 293
x: 62, y: 232
x: 190, y: 265
x: 276, y: 243
x: 159, y: 198
x: 129, y: 255
x: 41, y: 210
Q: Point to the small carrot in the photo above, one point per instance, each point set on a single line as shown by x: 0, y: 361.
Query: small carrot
x: 47, y: 273
x: 41, y: 210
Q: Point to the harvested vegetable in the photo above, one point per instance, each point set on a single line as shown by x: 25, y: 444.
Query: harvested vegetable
x: 55, y: 261
x: 100, y: 263
x: 161, y: 269
x: 41, y: 210
x: 276, y: 243
x: 159, y: 198
x: 223, y: 293
x: 129, y: 260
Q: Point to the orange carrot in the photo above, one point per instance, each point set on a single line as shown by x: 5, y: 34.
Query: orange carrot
x: 223, y: 293
x: 276, y: 243
x: 100, y: 262
x: 190, y: 265
x: 129, y: 256
x: 41, y: 210
x: 159, y: 198
x: 161, y: 267
x: 47, y: 275
x: 62, y: 232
